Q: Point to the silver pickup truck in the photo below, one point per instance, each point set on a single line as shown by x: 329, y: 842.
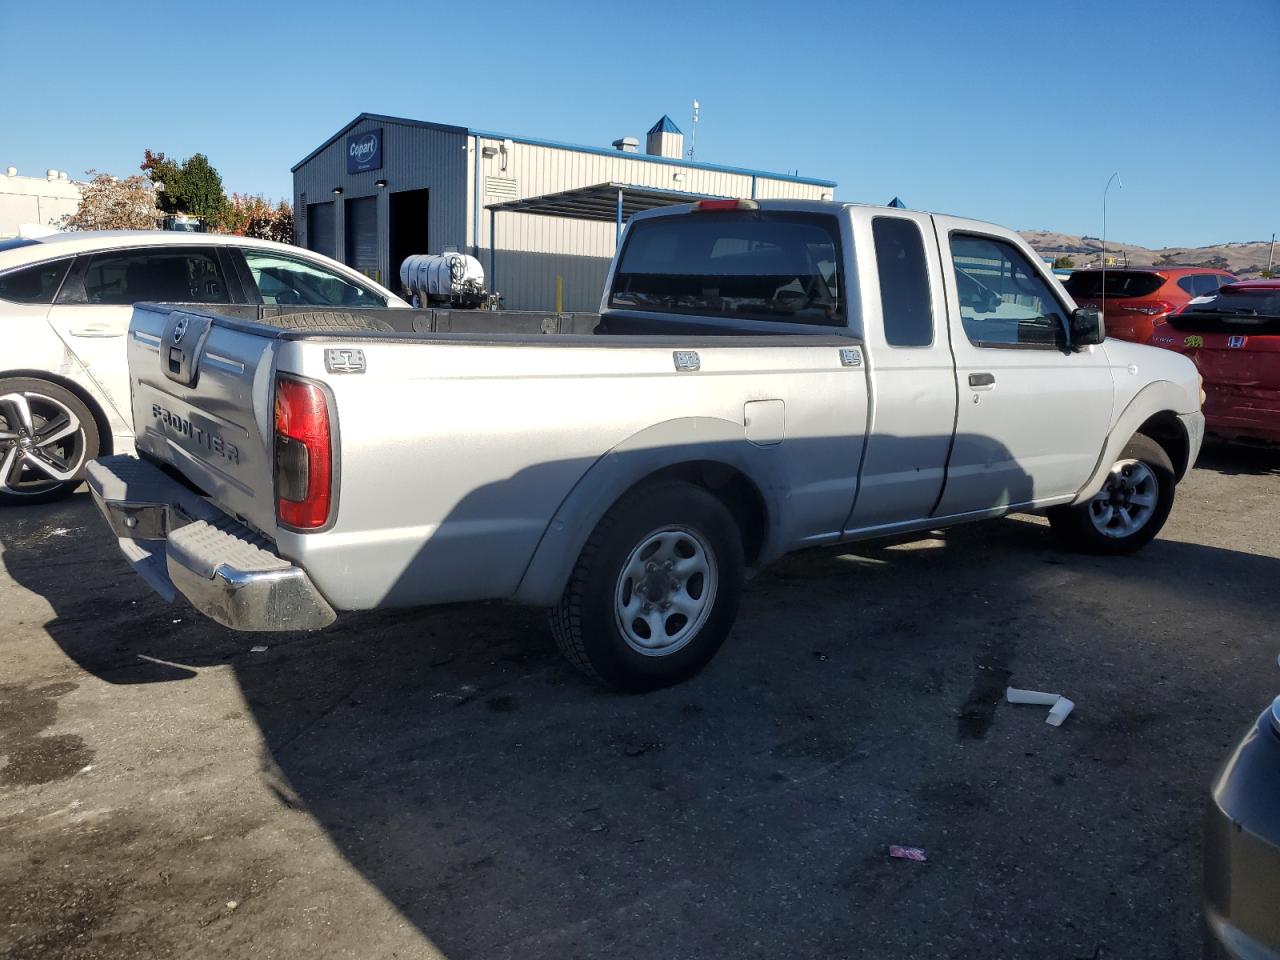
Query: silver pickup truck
x: 763, y: 377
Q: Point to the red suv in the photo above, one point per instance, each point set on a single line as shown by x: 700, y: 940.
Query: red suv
x: 1137, y: 298
x: 1233, y: 337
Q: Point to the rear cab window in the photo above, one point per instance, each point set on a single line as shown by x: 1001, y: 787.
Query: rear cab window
x: 38, y: 283
x: 777, y: 266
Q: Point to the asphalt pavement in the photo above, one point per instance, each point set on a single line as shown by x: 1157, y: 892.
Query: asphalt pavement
x: 439, y: 782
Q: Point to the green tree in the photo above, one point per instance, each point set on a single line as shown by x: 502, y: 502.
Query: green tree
x: 193, y: 187
x: 1063, y: 263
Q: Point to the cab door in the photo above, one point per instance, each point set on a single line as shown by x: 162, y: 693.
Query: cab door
x: 911, y: 376
x: 1033, y: 414
x: 92, y: 312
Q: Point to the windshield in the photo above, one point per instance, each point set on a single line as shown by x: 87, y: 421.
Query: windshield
x: 1087, y: 284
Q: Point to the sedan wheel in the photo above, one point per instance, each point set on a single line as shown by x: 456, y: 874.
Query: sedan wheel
x: 47, y: 435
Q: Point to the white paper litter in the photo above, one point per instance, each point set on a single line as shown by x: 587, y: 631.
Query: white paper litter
x: 1060, y: 706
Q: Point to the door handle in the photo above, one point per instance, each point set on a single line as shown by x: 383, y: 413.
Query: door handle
x: 980, y: 381
x: 97, y: 330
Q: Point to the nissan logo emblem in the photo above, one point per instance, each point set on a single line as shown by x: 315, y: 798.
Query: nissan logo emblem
x: 180, y: 330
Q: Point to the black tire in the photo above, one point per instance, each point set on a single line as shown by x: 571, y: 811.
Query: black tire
x: 338, y: 320
x: 75, y: 450
x: 585, y: 624
x: 1075, y: 525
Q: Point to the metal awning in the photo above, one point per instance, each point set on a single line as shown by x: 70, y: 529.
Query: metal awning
x: 606, y: 202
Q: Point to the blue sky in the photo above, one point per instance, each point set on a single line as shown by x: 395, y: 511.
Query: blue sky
x: 1014, y: 111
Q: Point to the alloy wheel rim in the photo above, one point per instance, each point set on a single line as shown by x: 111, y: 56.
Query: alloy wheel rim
x: 1127, y: 500
x: 666, y: 591
x: 42, y: 443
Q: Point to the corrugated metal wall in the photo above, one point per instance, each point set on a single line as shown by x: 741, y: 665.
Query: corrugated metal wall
x: 413, y: 157
x: 533, y: 250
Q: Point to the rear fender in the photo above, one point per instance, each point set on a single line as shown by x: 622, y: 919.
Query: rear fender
x: 654, y: 449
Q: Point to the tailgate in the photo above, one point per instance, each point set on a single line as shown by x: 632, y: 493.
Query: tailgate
x: 1241, y: 379
x: 203, y: 403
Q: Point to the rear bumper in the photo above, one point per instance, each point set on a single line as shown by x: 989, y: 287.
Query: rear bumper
x: 180, y: 543
x: 1242, y: 852
x: 1235, y: 412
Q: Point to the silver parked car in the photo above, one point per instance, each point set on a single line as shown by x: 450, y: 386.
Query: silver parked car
x: 1242, y: 848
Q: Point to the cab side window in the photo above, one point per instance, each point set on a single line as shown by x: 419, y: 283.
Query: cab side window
x: 37, y: 284
x: 1003, y: 300
x: 284, y: 280
x: 904, y: 282
x: 170, y: 274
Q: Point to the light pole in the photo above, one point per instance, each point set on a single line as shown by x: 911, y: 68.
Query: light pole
x: 1116, y: 177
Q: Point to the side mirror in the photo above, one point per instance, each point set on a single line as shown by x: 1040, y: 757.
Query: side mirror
x: 1087, y: 327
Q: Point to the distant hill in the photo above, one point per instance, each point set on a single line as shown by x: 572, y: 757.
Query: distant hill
x: 1245, y: 260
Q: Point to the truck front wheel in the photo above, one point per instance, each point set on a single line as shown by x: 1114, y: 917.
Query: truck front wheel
x: 655, y: 590
x: 1131, y: 507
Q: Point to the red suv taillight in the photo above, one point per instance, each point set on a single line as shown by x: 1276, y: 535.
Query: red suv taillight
x: 1150, y: 308
x: 304, y: 455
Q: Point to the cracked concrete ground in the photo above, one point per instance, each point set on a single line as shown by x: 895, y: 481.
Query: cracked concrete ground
x: 439, y: 783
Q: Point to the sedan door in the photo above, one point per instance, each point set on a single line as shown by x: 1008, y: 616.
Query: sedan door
x: 92, y: 312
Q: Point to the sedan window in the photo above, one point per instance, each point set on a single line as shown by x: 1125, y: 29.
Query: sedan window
x: 170, y: 274
x: 37, y: 284
x: 286, y: 280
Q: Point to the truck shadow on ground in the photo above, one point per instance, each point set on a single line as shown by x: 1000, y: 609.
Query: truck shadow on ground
x: 509, y: 808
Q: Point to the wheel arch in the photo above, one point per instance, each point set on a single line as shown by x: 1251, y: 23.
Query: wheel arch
x: 710, y: 453
x: 1153, y: 408
x: 100, y: 418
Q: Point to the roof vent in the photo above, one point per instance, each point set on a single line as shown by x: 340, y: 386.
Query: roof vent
x: 627, y: 145
x: 665, y: 140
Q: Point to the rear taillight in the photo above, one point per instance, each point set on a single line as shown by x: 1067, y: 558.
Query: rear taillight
x: 1147, y: 309
x: 304, y: 455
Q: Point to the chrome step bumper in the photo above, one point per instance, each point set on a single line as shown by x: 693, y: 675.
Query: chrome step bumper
x: 180, y: 543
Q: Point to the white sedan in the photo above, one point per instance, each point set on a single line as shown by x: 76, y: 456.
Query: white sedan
x: 65, y: 304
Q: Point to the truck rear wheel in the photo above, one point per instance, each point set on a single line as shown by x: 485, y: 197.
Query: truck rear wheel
x: 47, y: 435
x: 1129, y: 510
x: 655, y: 590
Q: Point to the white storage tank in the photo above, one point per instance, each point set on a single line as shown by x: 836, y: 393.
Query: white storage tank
x: 443, y: 277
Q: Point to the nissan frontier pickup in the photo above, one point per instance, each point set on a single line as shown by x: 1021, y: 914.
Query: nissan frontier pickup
x: 763, y: 377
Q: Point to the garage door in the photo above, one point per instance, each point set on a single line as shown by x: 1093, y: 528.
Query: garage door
x: 362, y: 234
x: 320, y: 229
